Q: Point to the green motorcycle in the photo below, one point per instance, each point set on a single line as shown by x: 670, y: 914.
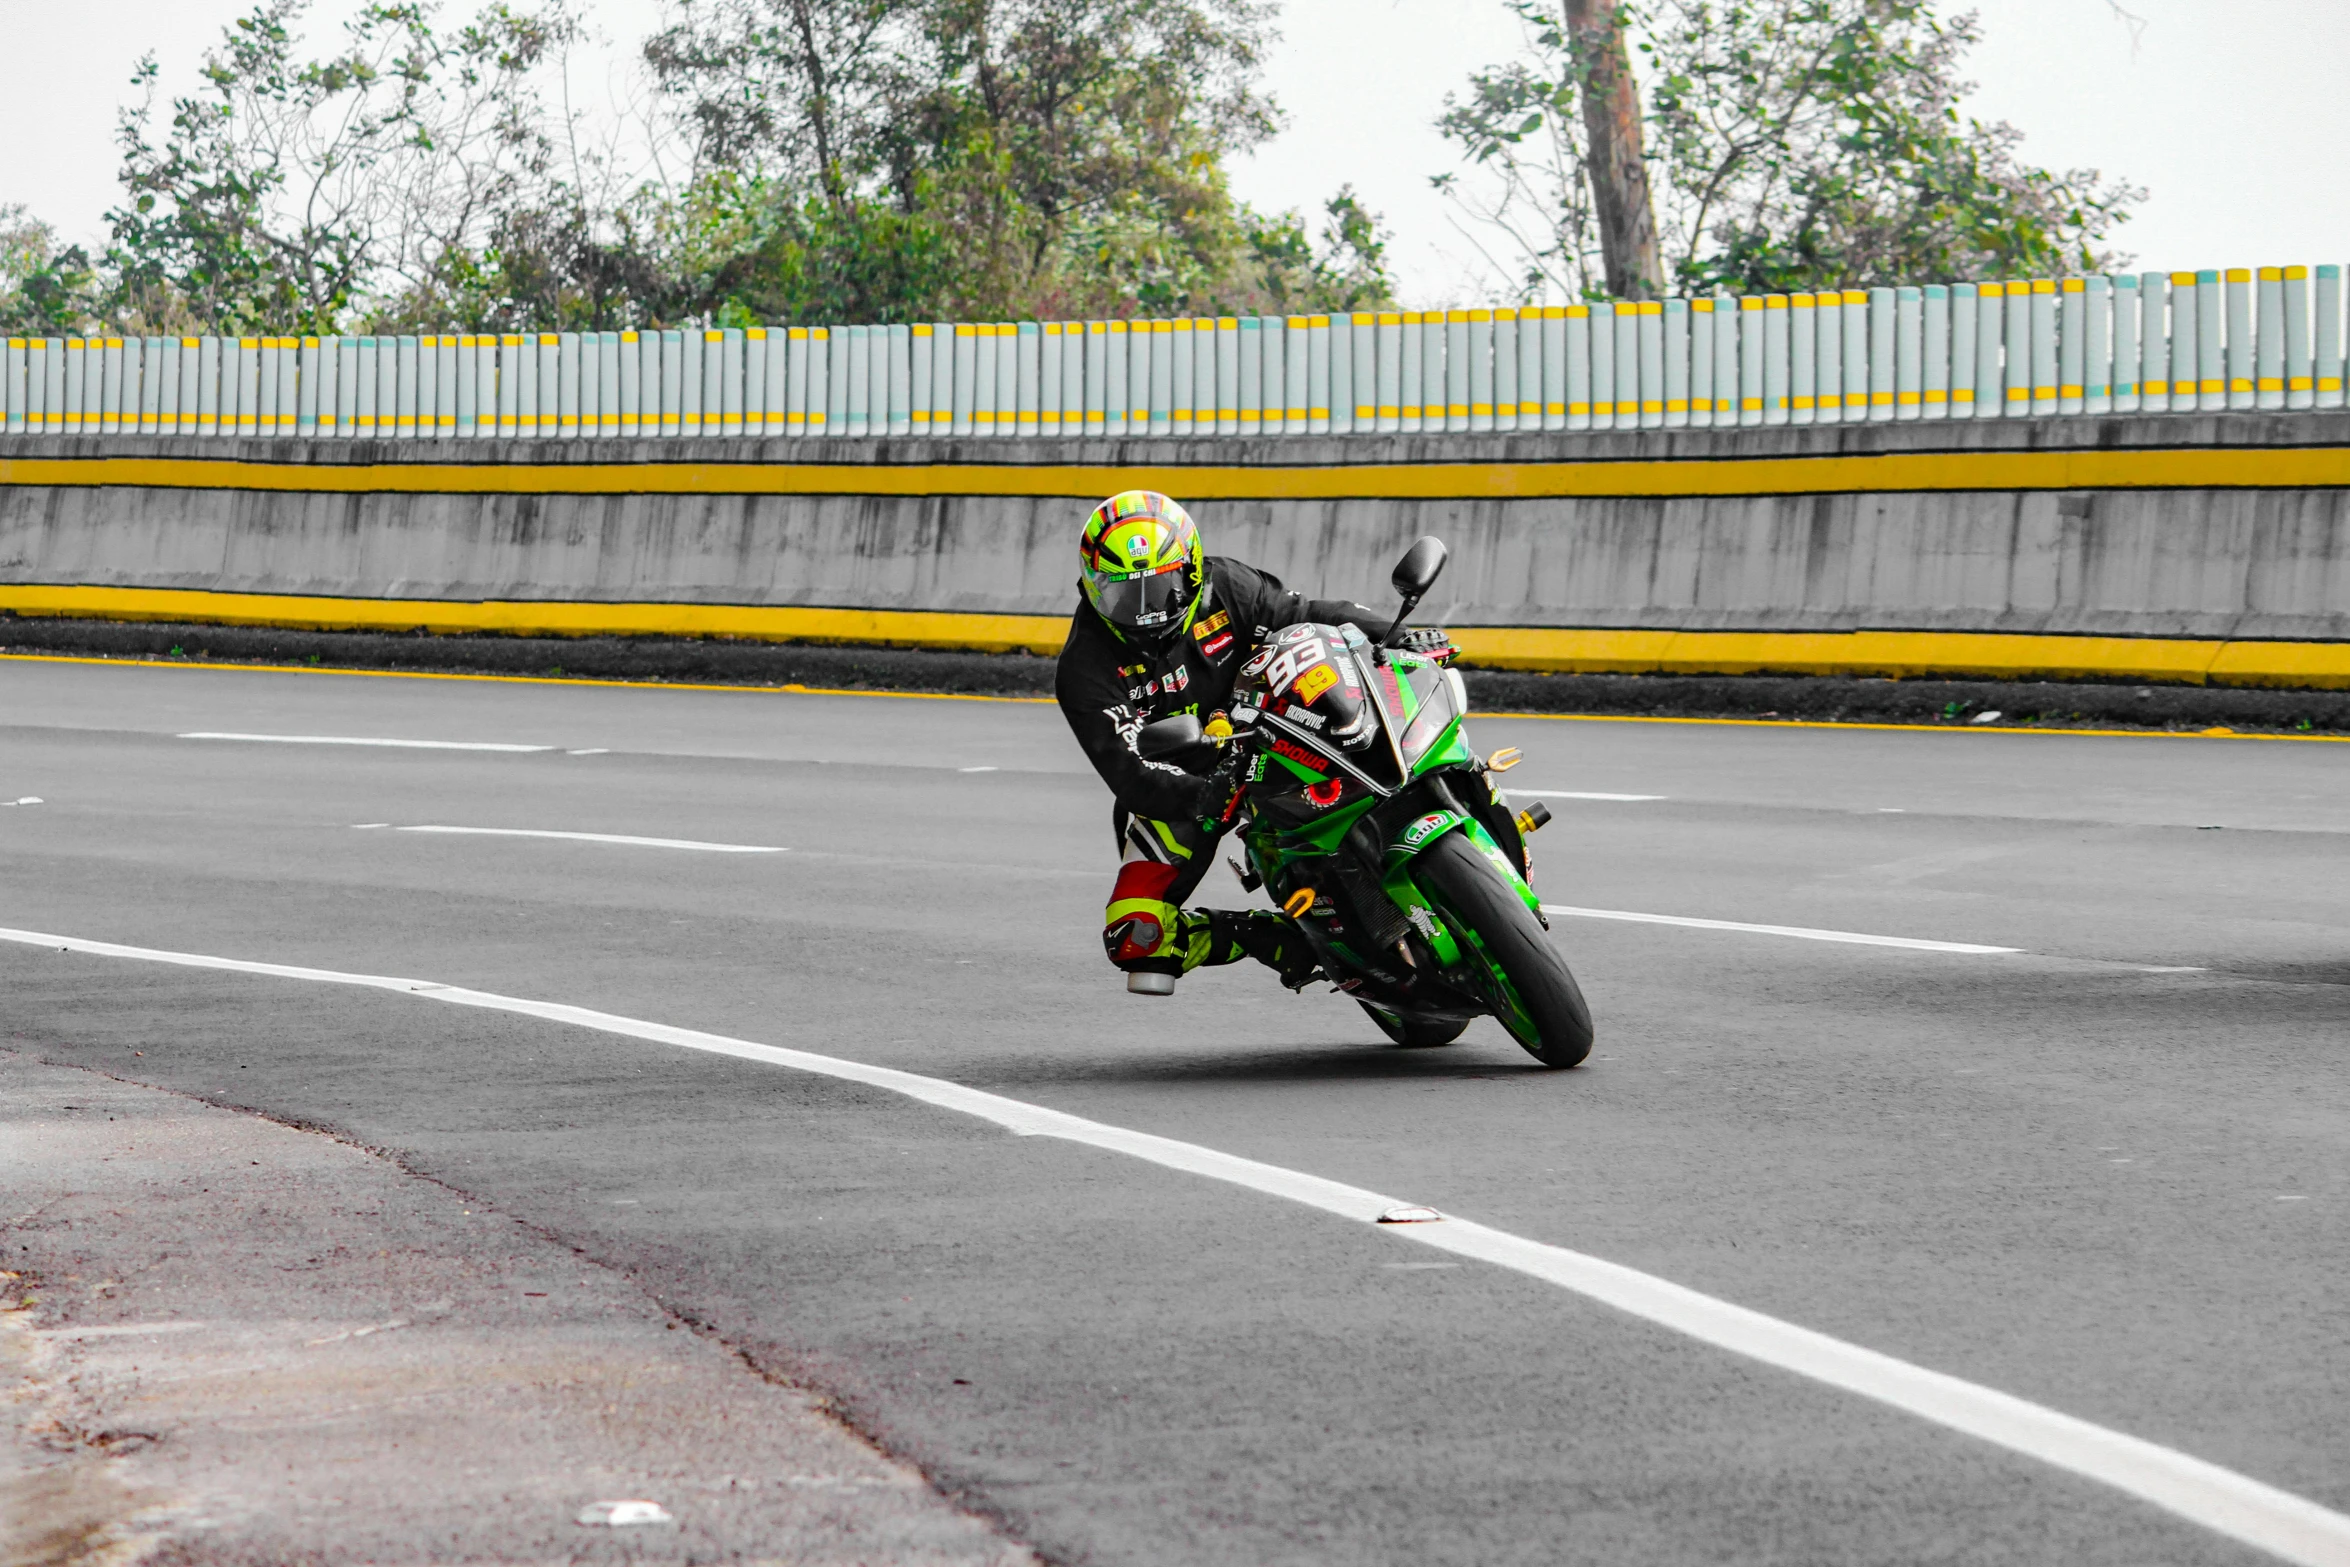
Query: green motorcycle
x: 1362, y: 809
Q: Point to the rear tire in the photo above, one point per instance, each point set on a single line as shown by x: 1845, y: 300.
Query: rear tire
x: 1414, y: 1033
x: 1457, y: 877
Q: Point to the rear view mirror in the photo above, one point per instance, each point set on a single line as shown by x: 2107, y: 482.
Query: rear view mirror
x: 1168, y: 736
x: 1421, y: 565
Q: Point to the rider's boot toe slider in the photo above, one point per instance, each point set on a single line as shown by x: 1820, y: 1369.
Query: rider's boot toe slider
x: 1148, y: 984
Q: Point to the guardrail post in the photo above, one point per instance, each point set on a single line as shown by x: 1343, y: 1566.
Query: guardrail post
x: 669, y: 387
x: 150, y: 352
x: 1963, y: 331
x: 1117, y: 388
x: 1433, y: 332
x: 346, y: 356
x: 2020, y: 310
x: 1409, y: 373
x: 1575, y: 362
x: 795, y: 370
x: 1073, y: 383
x: 1627, y: 325
x: 1387, y: 382
x: 1676, y: 352
x: 1701, y: 363
x: 2241, y: 357
x: 550, y: 402
x: 248, y: 382
x: 1313, y: 388
x: 1990, y: 371
x: 1249, y: 377
x: 1180, y: 361
x: 1648, y: 362
x: 853, y: 345
x: 2269, y: 367
x: 2043, y: 329
x: 16, y: 385
x: 1227, y: 379
x: 1532, y: 324
x: 446, y: 358
x: 2097, y: 382
x: 942, y: 377
x: 2184, y: 330
x: 567, y: 384
x: 1363, y: 372
x: 697, y: 383
x: 52, y: 384
x: 2300, y: 387
x: 924, y: 337
x: 1451, y: 353
x: 1160, y: 388
x: 2211, y: 373
x: 110, y: 368
x: 2125, y: 342
x: 1934, y: 314
x: 726, y: 364
x: 1909, y: 352
x: 1551, y: 360
x: 1343, y: 391
x: 468, y: 387
x: 2326, y: 356
x: 1048, y: 378
x: 1775, y: 409
x: 754, y: 380
x: 1262, y: 406
x: 2072, y: 358
x: 1027, y: 378
x: 170, y: 371
x: 1750, y: 360
x: 369, y: 414
x: 1803, y: 344
x: 1476, y: 339
x: 77, y: 382
x: 1007, y: 379
x: 1603, y: 366
x: 964, y: 417
x: 1505, y: 369
x: 836, y: 382
x: 409, y: 388
x: 2156, y: 353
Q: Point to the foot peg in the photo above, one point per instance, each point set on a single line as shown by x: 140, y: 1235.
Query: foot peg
x: 1146, y: 984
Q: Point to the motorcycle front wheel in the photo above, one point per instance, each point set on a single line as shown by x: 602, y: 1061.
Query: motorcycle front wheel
x: 1535, y: 996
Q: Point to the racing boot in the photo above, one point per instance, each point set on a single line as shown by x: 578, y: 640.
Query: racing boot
x: 1272, y: 939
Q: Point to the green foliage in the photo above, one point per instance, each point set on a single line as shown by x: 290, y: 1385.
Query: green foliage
x: 44, y: 291
x: 811, y: 160
x: 1794, y: 144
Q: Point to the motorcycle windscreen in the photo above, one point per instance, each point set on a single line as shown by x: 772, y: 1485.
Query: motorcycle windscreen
x: 1439, y: 705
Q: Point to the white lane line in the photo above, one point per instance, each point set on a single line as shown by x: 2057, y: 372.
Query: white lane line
x: 1577, y: 794
x: 2235, y: 1505
x: 405, y: 745
x: 1803, y: 932
x: 608, y: 837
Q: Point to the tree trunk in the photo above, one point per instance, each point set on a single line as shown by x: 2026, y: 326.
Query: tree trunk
x: 1618, y: 171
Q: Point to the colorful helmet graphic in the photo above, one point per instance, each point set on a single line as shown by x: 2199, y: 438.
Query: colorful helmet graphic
x: 1141, y: 565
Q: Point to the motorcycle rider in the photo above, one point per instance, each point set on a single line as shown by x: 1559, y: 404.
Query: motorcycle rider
x: 1163, y: 628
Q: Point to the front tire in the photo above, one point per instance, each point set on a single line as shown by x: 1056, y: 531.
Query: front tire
x: 1552, y: 1020
x: 1414, y: 1033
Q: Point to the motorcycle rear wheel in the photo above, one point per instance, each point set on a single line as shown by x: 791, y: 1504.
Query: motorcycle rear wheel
x: 1415, y: 1032
x: 1515, y: 949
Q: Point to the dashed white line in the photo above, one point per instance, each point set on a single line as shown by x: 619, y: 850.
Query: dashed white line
x: 1577, y: 794
x: 2228, y: 1503
x: 1800, y: 932
x: 629, y: 839
x: 404, y: 745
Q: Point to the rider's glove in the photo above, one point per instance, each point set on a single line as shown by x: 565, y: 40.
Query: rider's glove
x: 1430, y: 642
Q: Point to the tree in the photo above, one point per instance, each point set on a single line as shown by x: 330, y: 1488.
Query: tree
x: 1617, y: 167
x: 286, y: 190
x: 45, y: 291
x: 1799, y: 144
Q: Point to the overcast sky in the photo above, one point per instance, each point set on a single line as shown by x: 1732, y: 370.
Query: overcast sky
x: 2235, y: 114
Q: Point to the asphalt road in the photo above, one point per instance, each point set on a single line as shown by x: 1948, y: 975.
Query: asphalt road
x: 2107, y: 1172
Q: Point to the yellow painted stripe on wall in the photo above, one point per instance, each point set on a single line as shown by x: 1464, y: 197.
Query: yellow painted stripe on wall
x: 2323, y: 467
x: 566, y: 618
x: 1585, y: 650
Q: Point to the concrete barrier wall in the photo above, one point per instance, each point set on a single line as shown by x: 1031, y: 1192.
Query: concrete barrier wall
x: 2226, y: 529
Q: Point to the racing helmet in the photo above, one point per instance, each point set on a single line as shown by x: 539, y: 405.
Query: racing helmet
x: 1141, y: 565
